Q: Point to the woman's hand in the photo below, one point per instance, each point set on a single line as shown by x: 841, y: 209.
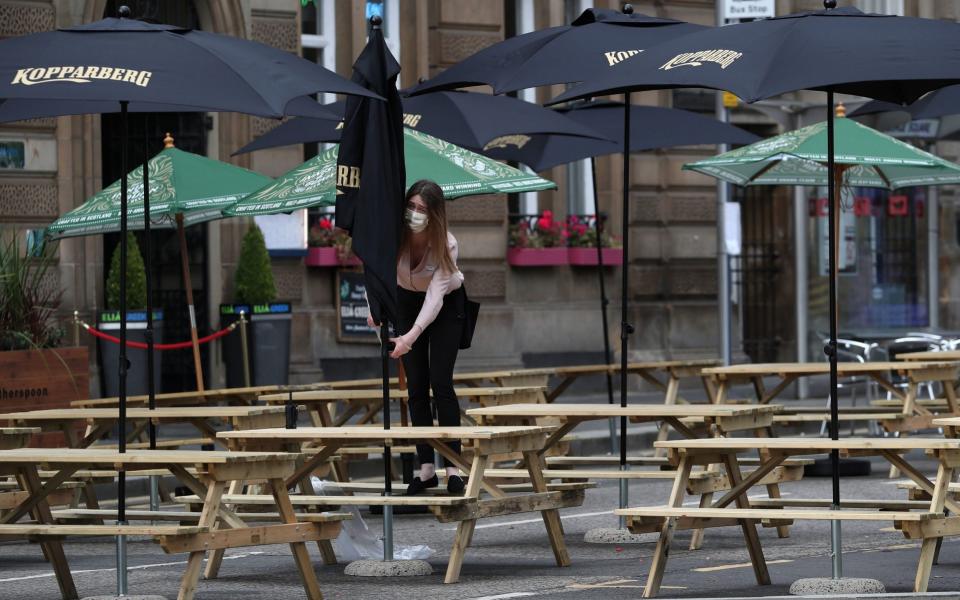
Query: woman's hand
x: 370, y: 322
x: 402, y: 345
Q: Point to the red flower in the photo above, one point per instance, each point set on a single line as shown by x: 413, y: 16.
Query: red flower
x: 326, y: 223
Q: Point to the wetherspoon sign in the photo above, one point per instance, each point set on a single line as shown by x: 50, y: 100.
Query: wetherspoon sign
x: 748, y: 9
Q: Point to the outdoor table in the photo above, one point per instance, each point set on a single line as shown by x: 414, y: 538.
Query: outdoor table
x: 16, y: 437
x: 481, y: 442
x: 102, y: 420
x: 915, y: 415
x: 225, y: 396
x: 929, y: 523
x: 664, y: 375
x: 369, y: 401
x: 218, y: 527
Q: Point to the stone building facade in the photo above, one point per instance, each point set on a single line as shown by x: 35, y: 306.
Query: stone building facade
x: 529, y: 316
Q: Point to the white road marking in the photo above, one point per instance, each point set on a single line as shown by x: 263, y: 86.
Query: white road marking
x: 737, y: 566
x: 503, y: 596
x: 134, y: 568
x: 538, y: 520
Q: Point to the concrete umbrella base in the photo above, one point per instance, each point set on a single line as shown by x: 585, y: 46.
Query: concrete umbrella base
x: 389, y: 568
x: 613, y: 535
x: 827, y: 586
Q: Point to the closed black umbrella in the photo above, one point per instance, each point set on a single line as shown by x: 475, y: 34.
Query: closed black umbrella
x: 896, y: 59
x: 113, y: 63
x: 599, y: 40
x: 371, y: 181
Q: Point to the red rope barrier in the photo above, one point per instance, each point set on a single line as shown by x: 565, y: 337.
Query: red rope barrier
x: 173, y: 346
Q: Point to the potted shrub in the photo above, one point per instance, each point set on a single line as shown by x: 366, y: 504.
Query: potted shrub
x: 268, y: 333
x: 329, y: 246
x: 108, y: 321
x: 541, y: 243
x: 34, y: 372
x: 582, y: 243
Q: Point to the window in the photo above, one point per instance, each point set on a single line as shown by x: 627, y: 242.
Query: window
x: 883, y: 7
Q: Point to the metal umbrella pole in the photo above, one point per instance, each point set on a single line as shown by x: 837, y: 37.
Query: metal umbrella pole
x: 607, y: 360
x: 122, y: 387
x: 147, y: 260
x: 387, y: 475
x: 836, y: 551
x: 188, y: 289
x: 625, y: 327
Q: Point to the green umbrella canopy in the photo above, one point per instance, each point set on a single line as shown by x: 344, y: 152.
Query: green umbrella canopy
x: 798, y: 158
x: 180, y: 182
x: 458, y: 171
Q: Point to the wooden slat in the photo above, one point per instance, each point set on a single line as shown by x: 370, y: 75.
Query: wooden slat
x: 250, y: 536
x: 812, y: 444
x: 362, y: 434
x: 650, y: 411
x: 776, y: 513
x: 19, y: 529
x: 94, y: 456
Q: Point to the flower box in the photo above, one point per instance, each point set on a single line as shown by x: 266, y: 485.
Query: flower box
x: 585, y: 257
x: 536, y: 257
x: 327, y: 257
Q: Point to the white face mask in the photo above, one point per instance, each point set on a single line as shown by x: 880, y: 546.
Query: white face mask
x: 416, y: 221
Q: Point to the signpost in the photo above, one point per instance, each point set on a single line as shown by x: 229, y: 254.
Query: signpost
x: 748, y: 9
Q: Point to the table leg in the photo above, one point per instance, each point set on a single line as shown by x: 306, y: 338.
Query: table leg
x: 710, y: 387
x: 669, y: 399
x: 658, y: 563
x: 300, y: 554
x: 325, y: 546
x: 929, y: 547
x: 465, y: 529
x: 773, y: 489
x: 749, y: 527
x: 561, y: 387
x: 696, y: 539
x: 52, y: 549
x: 908, y: 407
x: 551, y: 518
x: 723, y: 389
x: 216, y: 557
x: 208, y: 518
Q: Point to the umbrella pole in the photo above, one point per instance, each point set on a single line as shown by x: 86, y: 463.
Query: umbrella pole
x: 147, y: 260
x: 387, y: 476
x: 625, y: 327
x: 603, y: 302
x: 831, y: 349
x: 188, y: 287
x: 122, y: 388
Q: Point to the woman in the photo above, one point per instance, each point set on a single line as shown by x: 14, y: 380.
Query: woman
x: 430, y: 300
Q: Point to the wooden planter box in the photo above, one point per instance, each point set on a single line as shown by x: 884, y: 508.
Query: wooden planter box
x: 588, y: 256
x: 39, y: 379
x: 536, y: 257
x: 327, y: 257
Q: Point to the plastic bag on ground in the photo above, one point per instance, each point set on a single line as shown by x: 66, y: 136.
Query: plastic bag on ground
x: 356, y: 541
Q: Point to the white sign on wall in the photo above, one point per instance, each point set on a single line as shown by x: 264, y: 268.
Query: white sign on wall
x: 284, y: 232
x: 749, y: 9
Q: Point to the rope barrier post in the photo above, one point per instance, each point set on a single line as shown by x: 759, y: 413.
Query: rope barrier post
x: 245, y: 350
x: 291, y: 411
x: 76, y: 328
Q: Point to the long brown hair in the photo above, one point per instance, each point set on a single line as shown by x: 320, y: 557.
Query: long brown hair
x: 436, y: 224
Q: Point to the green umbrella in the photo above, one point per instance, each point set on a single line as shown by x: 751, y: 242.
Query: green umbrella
x: 458, y: 171
x: 185, y: 189
x: 867, y: 158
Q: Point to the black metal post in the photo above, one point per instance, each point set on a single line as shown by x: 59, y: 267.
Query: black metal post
x: 598, y: 227
x: 387, y: 474
x: 124, y: 364
x: 290, y: 411
x: 625, y: 327
x: 831, y: 349
x: 147, y: 260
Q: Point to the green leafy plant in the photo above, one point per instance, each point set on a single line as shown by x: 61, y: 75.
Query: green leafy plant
x: 254, y: 278
x: 136, y: 278
x: 28, y: 302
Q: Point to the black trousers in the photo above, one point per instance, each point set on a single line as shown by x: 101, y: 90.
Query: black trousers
x: 429, y: 364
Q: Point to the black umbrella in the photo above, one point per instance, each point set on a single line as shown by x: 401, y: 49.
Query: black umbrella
x: 834, y: 50
x: 598, y: 41
x: 114, y: 63
x: 470, y: 120
x: 371, y: 181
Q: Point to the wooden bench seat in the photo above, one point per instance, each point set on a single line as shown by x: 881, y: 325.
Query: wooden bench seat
x: 36, y: 529
x: 186, y: 516
x: 162, y: 444
x: 651, y: 461
x: 883, y: 505
x: 376, y: 488
x: 699, y: 517
x: 304, y: 500
x: 844, y: 417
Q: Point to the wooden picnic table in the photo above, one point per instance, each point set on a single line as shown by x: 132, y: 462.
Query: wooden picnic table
x: 935, y: 355
x: 662, y: 374
x: 481, y: 442
x: 218, y: 526
x: 369, y: 401
x: 914, y: 414
x: 16, y: 437
x: 925, y: 521
x: 241, y: 396
x: 102, y: 420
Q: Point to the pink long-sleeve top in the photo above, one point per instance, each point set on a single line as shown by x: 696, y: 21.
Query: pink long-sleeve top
x: 427, y: 276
